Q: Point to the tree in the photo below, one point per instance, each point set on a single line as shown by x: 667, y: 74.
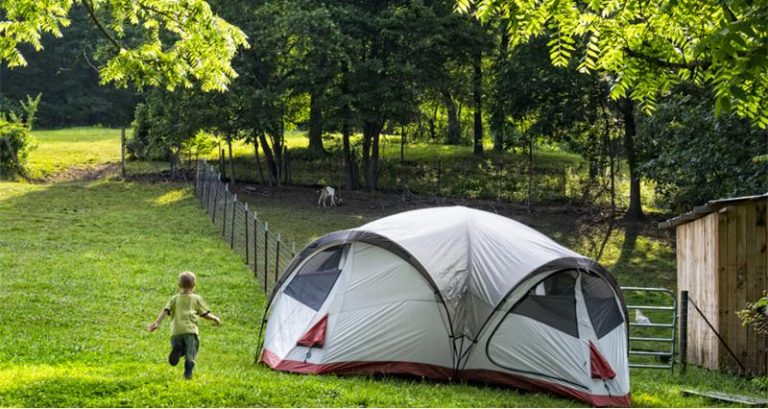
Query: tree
x: 318, y: 53
x: 543, y: 101
x: 148, y: 42
x: 395, y: 40
x: 649, y: 46
x: 65, y: 76
x: 165, y: 123
x: 695, y: 156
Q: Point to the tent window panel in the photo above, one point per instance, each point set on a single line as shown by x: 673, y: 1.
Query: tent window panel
x: 326, y: 260
x: 601, y: 303
x: 316, y: 278
x: 552, y: 302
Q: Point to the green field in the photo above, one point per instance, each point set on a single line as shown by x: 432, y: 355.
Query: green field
x: 83, y: 147
x: 86, y: 265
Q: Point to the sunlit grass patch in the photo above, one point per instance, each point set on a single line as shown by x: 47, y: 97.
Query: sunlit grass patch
x: 64, y: 148
x: 172, y: 196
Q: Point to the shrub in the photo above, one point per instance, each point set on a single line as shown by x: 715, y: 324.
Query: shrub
x: 16, y: 138
x: 145, y: 145
x: 755, y: 315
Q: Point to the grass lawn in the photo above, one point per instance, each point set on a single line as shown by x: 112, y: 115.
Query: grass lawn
x: 85, y: 265
x: 83, y: 147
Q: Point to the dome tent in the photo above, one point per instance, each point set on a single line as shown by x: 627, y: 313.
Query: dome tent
x: 452, y: 293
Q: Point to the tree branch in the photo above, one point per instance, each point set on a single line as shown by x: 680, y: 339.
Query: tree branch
x: 665, y: 63
x: 728, y: 12
x: 167, y: 15
x: 92, y: 14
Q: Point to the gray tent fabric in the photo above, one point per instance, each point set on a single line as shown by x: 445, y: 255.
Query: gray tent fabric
x: 447, y: 293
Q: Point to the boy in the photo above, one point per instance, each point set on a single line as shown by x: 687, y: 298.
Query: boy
x: 184, y: 309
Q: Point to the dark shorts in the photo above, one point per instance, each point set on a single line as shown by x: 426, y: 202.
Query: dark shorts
x: 188, y: 344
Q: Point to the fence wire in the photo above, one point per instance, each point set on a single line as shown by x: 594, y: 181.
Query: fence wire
x: 240, y: 227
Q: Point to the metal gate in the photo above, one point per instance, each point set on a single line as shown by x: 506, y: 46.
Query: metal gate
x: 652, y: 332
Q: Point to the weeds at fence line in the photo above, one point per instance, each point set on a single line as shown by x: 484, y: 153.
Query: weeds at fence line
x: 263, y: 252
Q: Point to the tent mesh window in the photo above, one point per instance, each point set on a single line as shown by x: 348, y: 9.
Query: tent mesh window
x: 315, y: 279
x: 601, y: 304
x: 552, y: 302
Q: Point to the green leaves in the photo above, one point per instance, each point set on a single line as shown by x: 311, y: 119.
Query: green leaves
x: 25, y: 21
x: 651, y: 45
x: 153, y: 43
x: 561, y: 47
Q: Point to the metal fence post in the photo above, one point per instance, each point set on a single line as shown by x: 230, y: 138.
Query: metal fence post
x: 224, y: 216
x: 255, y: 244
x: 245, y: 230
x: 122, y: 152
x: 277, y: 256
x: 200, y: 187
x: 266, y: 256
x: 215, y: 200
x: 683, y: 331
x: 209, y: 181
x: 211, y: 185
x: 232, y: 230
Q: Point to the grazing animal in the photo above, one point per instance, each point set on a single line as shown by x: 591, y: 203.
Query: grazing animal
x: 327, y: 196
x: 640, y: 318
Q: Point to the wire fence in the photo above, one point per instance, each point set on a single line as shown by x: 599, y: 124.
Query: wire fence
x: 264, y: 252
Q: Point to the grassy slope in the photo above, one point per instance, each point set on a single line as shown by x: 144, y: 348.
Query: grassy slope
x: 85, y: 266
x: 59, y: 149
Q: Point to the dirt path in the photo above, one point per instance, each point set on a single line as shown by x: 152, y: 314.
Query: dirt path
x: 83, y: 173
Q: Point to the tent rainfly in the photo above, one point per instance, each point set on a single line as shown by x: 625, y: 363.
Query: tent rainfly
x: 452, y: 293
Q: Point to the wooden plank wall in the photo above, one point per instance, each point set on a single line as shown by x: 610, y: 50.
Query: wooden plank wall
x: 743, y: 275
x: 761, y: 227
x: 697, y: 272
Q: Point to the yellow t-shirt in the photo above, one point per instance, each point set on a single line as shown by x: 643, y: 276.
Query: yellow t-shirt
x: 185, y: 309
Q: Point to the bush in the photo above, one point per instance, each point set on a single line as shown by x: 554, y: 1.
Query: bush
x: 143, y: 145
x: 755, y: 315
x: 16, y: 139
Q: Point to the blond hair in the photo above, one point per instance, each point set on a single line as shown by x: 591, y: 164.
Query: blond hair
x: 187, y: 280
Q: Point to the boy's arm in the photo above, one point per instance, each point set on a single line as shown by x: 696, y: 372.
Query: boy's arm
x: 160, y: 317
x: 212, y: 317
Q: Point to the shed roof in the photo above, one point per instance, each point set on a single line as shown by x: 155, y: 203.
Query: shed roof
x: 711, y: 206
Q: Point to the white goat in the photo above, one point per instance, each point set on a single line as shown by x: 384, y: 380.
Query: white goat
x: 327, y: 195
x: 640, y: 318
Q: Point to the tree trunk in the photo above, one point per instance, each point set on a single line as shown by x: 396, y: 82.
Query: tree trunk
x: 277, y: 145
x: 402, y: 143
x: 432, y: 126
x: 258, y: 160
x: 477, y: 98
x: 453, y: 119
x: 271, y: 165
x: 635, y: 211
x: 371, y: 132
x: 498, y: 116
x: 366, y: 155
x: 315, y: 125
x: 231, y: 162
x: 348, y: 166
x: 346, y: 133
x: 528, y: 204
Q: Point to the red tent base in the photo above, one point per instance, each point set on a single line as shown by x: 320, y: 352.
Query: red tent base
x: 439, y: 372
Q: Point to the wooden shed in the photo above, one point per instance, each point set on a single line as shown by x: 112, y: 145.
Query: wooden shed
x: 722, y: 262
